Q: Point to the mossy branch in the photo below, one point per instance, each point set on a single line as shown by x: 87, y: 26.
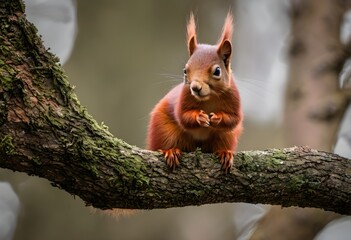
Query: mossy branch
x: 44, y: 131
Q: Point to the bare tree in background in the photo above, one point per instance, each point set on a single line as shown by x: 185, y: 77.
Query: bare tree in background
x: 315, y: 104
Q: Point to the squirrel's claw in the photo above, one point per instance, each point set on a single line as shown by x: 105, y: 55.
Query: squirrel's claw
x: 215, y: 119
x: 172, y: 157
x: 226, y: 158
x: 203, y: 119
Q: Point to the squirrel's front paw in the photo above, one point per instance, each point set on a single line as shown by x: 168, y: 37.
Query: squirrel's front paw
x: 203, y: 119
x: 215, y: 119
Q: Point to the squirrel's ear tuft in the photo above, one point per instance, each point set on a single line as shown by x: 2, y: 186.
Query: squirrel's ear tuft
x: 191, y: 34
x: 224, y: 43
x: 227, y: 31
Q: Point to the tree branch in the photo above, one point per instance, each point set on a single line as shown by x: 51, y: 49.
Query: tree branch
x: 44, y: 131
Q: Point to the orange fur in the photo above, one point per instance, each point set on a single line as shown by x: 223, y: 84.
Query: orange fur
x: 205, y: 110
x: 227, y: 31
x: 191, y: 34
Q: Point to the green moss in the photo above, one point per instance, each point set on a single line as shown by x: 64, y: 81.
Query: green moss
x: 273, y: 162
x: 104, y: 127
x: 6, y: 145
x: 94, y: 170
x: 195, y: 193
x: 254, y: 162
x: 132, y: 171
x: 6, y: 82
x: 296, y: 182
x: 279, y: 154
x: 4, y: 50
x: 22, y: 6
x: 129, y: 170
x: 248, y: 162
x: 54, y: 121
x: 37, y: 161
x: 274, y: 159
x: 7, y: 74
x: 90, y: 167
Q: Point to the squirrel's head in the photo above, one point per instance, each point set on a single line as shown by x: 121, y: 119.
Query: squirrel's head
x: 208, y: 71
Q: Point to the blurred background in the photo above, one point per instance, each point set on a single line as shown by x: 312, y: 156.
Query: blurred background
x: 122, y: 57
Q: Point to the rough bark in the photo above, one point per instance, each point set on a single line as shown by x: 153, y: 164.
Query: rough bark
x: 315, y: 104
x: 44, y: 131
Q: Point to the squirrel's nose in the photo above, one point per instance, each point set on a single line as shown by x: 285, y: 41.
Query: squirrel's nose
x: 196, y: 87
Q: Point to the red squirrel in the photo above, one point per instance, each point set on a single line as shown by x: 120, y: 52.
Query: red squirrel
x: 205, y: 110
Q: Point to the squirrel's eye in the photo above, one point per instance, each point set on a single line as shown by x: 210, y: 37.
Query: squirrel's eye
x: 184, y: 71
x: 217, y: 72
